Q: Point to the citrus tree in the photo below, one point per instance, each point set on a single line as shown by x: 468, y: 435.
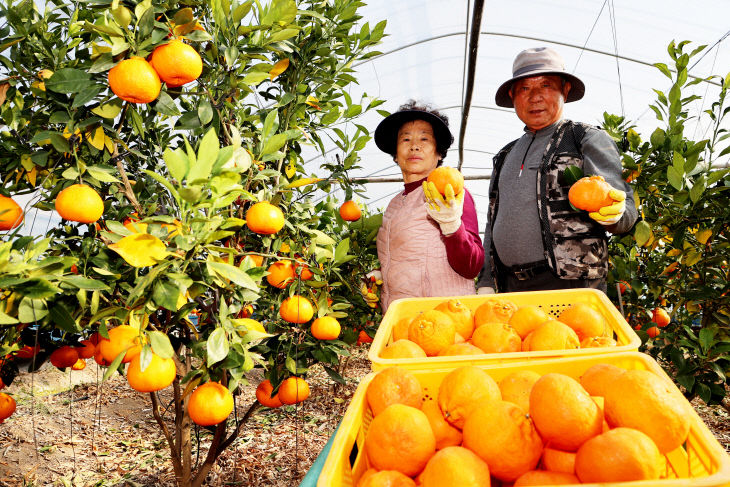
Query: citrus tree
x: 672, y: 271
x: 216, y: 252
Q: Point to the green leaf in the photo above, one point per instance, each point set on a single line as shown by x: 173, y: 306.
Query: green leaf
x: 114, y: 366
x: 675, y: 178
x: 282, y: 35
x: 59, y: 142
x: 68, y: 80
x: 704, y: 392
x: 166, y: 105
x: 6, y: 319
x: 103, y: 175
x: 176, y: 162
x: 290, y: 365
x: 642, y: 233
x: 161, y: 344
x: 63, y: 319
x: 164, y: 182
x: 205, y: 112
x: 217, y: 346
x: 255, y: 78
x: 571, y: 174
x: 82, y: 282
x: 707, y: 336
x: 341, y: 251
x: 165, y: 294
x: 32, y: 310
x: 281, y: 12
x: 86, y: 95
x: 274, y: 143
x: 695, y: 193
x: 207, y: 155
x: 234, y: 274
x: 38, y: 288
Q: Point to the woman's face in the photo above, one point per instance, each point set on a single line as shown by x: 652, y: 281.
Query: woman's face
x: 416, y: 151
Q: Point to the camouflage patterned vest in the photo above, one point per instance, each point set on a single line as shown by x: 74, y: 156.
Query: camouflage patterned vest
x: 576, y: 247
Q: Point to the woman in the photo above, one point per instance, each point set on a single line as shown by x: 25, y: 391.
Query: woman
x: 424, y: 251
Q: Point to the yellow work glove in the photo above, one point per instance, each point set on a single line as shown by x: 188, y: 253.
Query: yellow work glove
x: 370, y: 295
x: 610, y: 214
x: 446, y: 212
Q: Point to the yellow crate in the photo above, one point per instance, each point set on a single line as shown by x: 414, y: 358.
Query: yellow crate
x: 552, y: 302
x: 702, y: 462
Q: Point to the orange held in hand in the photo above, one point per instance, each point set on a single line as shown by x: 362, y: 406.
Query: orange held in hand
x: 135, y: 80
x: 79, y: 203
x: 176, y: 63
x: 441, y: 176
x: 210, y: 404
x: 264, y: 218
x: 349, y: 211
x: 590, y: 193
x: 11, y: 214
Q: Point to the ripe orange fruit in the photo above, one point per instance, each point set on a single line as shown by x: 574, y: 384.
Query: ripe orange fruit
x: 527, y: 318
x: 463, y: 390
x: 432, y: 331
x: 585, y: 320
x: 504, y: 437
x: 516, y: 387
x: 618, y: 455
x: 653, y: 331
x: 598, y: 378
x: 363, y: 337
x: 293, y: 390
x: 461, y: 316
x: 158, y: 374
x: 455, y: 466
x: 281, y: 274
x: 443, y: 175
x: 209, y: 404
x: 563, y: 412
x: 350, y: 211
x: 258, y: 260
x: 558, y: 460
x: 445, y: 434
x: 403, y: 349
x: 27, y: 351
x: 296, y: 309
x: 64, y: 357
x: 400, y: 329
x: 590, y: 193
x: 7, y: 406
x: 87, y: 349
x: 623, y: 286
x: 79, y: 203
x: 122, y: 338
x: 542, y: 477
x: 496, y: 338
x: 551, y: 335
x: 394, y: 385
x: 597, y: 342
x: 263, y: 395
x: 176, y: 63
x: 11, y: 214
x: 386, y: 478
x: 80, y: 364
x: 400, y: 438
x: 134, y: 80
x: 264, y: 218
x: 326, y: 328
x: 494, y: 310
x: 461, y: 349
x: 642, y: 400
x: 304, y: 273
x: 660, y: 317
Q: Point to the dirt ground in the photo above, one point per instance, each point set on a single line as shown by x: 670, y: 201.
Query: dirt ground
x: 74, y: 432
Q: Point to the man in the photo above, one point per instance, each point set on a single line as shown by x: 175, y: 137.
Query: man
x: 534, y: 239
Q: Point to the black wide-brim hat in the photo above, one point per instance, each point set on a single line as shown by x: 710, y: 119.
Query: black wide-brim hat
x: 539, y: 61
x: 386, y: 134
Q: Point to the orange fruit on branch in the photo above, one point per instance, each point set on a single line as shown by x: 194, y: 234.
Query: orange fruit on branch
x: 660, y: 317
x: 176, y: 63
x: 64, y: 356
x: 135, y: 80
x: 443, y: 175
x: 281, y: 274
x: 209, y: 404
x: 393, y: 385
x: 86, y: 350
x: 653, y: 331
x: 11, y: 214
x: 264, y: 218
x: 349, y: 211
x: 293, y: 390
x: 400, y: 438
x: 79, y: 203
x: 326, y: 328
x: 123, y: 338
x: 263, y: 395
x: 590, y: 193
x: 7, y: 406
x: 79, y: 365
x: 158, y: 374
x: 296, y: 309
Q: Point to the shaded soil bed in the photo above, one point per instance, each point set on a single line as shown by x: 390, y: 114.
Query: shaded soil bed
x: 106, y: 436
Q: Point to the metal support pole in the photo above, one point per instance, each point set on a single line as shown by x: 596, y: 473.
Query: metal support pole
x: 476, y: 24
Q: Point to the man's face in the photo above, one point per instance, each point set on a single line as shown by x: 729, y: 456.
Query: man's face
x: 539, y: 100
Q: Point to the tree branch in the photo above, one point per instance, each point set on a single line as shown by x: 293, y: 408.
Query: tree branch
x: 175, y: 453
